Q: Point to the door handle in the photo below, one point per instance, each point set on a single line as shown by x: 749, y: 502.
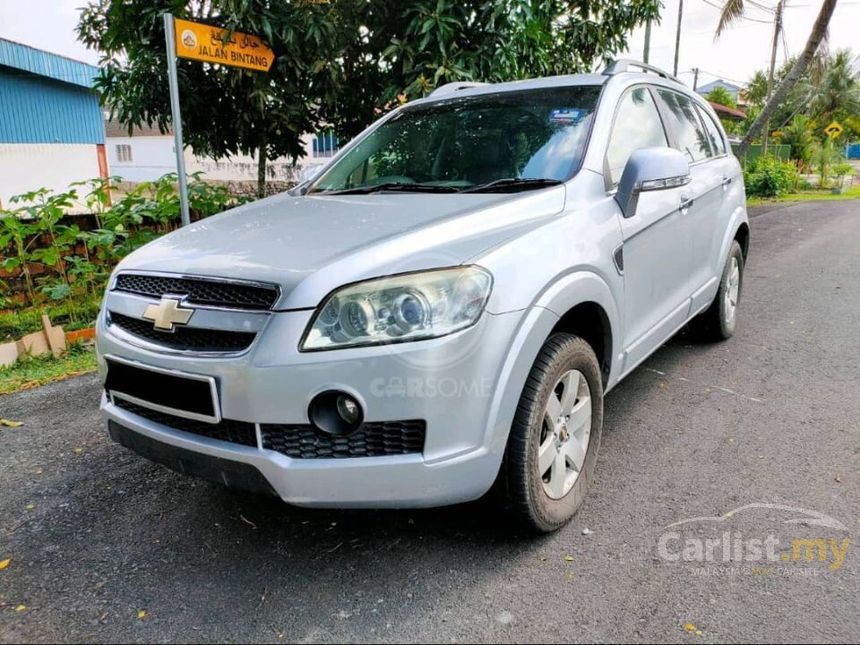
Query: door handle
x: 686, y: 202
x: 726, y: 181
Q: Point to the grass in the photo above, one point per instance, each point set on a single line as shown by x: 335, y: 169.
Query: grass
x: 28, y: 373
x: 807, y: 196
x: 17, y: 323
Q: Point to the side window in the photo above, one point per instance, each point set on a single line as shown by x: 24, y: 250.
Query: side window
x: 717, y: 142
x: 689, y: 135
x: 637, y: 125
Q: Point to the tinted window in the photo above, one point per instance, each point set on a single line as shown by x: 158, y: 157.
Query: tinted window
x: 691, y: 138
x: 714, y: 135
x: 637, y: 125
x: 464, y: 141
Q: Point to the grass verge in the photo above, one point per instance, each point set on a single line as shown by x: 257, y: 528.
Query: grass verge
x: 28, y: 373
x: 17, y: 323
x: 807, y: 196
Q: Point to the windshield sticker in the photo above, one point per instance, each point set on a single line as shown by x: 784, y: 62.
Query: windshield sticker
x: 566, y: 116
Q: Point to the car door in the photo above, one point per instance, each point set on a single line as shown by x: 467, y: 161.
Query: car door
x: 709, y: 226
x: 703, y: 195
x: 656, y: 240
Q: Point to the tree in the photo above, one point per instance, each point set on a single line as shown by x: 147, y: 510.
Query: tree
x: 838, y: 95
x: 339, y: 64
x: 722, y: 96
x: 225, y: 110
x: 732, y: 11
x: 394, y: 50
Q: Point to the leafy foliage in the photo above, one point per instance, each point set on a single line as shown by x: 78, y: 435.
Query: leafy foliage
x: 64, y: 267
x: 722, y: 96
x: 768, y: 176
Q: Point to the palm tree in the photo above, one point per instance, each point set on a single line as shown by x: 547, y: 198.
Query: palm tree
x: 838, y: 93
x: 734, y: 10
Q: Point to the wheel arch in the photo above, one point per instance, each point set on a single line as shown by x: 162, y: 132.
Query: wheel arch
x: 580, y: 303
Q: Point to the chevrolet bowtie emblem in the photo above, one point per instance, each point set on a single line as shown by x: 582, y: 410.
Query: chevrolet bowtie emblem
x: 167, y: 313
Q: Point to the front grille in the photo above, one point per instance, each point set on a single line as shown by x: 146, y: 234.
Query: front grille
x: 239, y: 432
x: 200, y: 291
x: 185, y: 338
x: 374, y: 439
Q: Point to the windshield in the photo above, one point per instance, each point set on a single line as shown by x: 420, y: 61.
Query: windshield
x: 466, y: 142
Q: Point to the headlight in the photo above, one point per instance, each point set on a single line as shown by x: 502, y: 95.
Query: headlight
x: 401, y: 308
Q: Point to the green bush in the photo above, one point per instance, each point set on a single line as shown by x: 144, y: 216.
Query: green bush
x: 63, y: 268
x: 768, y: 176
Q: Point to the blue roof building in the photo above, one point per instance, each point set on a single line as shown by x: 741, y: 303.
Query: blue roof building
x: 51, y: 124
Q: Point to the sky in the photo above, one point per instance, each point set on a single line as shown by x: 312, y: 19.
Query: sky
x: 745, y: 47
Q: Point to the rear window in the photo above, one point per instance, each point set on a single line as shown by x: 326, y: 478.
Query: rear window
x: 690, y: 136
x: 714, y: 136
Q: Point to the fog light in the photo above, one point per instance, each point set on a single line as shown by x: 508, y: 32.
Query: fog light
x: 348, y: 409
x: 335, y: 412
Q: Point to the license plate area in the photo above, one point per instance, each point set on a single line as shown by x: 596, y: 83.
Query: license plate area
x: 186, y: 395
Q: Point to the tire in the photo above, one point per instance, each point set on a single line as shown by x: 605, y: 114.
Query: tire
x: 538, y: 499
x: 718, y: 321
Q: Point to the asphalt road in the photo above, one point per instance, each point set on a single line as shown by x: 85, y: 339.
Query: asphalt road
x: 769, y: 417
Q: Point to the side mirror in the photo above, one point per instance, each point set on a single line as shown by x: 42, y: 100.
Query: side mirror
x: 650, y: 169
x: 309, y: 172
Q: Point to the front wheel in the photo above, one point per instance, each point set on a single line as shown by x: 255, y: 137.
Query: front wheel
x: 552, y: 448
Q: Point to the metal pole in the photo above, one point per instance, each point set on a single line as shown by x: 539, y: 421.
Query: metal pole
x: 678, y: 35
x: 647, y: 51
x: 777, y: 27
x: 695, y: 78
x: 170, y: 37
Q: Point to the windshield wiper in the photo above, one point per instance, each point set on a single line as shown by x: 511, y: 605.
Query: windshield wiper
x: 394, y: 187
x: 512, y: 185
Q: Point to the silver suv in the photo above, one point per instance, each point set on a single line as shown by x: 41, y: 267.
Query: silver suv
x: 442, y: 307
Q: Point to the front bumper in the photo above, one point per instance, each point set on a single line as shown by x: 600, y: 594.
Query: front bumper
x: 452, y: 383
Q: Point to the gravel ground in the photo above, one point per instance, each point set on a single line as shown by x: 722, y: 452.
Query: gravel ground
x: 97, y: 535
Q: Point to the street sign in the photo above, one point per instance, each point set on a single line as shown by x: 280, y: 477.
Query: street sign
x: 210, y: 44
x: 833, y: 130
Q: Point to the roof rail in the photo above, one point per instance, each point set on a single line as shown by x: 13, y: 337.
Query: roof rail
x: 451, y: 88
x: 624, y: 65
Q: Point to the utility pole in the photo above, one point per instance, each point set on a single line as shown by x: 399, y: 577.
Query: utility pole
x: 777, y: 27
x: 678, y: 34
x: 647, y: 51
x: 695, y: 78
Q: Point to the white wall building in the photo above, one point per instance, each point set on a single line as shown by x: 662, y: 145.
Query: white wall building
x: 148, y: 154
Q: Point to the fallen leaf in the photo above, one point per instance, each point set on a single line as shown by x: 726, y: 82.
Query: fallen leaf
x: 5, y: 563
x: 690, y: 627
x: 141, y: 614
x: 11, y: 424
x: 568, y: 558
x: 20, y: 608
x: 30, y: 507
x: 79, y: 450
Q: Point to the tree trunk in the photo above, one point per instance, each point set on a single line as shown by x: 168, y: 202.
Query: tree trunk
x: 261, y: 172
x: 819, y: 29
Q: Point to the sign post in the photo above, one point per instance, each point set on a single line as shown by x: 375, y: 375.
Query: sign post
x: 177, y: 117
x: 208, y: 44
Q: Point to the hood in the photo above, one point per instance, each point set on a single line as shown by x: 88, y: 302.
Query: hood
x: 310, y: 245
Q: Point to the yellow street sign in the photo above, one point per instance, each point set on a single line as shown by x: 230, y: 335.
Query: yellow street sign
x: 833, y: 130
x: 206, y: 43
